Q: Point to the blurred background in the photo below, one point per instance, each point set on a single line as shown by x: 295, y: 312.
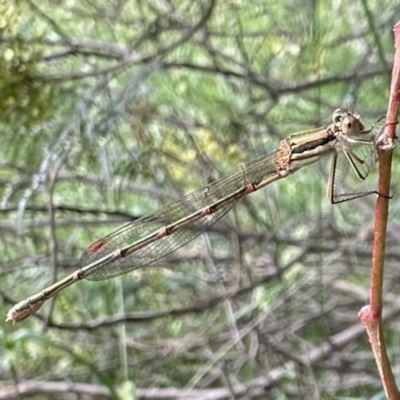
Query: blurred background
x: 112, y: 109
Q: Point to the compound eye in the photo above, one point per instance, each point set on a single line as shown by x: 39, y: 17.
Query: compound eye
x: 338, y: 115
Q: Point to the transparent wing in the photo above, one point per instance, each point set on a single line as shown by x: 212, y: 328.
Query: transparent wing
x: 253, y: 171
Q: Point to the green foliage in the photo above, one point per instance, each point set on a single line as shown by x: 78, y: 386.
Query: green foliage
x: 105, y: 118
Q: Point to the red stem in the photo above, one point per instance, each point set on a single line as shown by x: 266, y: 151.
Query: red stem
x: 371, y: 315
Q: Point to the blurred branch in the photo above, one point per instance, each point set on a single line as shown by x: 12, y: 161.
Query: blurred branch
x: 135, y: 58
x: 281, y: 88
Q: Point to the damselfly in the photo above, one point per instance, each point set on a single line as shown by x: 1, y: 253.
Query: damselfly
x: 154, y: 236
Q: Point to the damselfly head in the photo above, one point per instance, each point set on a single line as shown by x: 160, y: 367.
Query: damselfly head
x: 348, y: 123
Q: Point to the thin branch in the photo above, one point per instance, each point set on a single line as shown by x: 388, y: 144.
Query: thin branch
x: 371, y: 315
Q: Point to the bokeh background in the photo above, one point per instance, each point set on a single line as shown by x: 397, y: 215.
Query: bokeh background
x: 110, y: 110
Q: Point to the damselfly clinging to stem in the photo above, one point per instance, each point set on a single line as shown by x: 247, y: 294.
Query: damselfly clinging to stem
x: 151, y: 237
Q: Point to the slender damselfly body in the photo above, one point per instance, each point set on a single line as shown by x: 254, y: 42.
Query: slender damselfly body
x: 152, y: 237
